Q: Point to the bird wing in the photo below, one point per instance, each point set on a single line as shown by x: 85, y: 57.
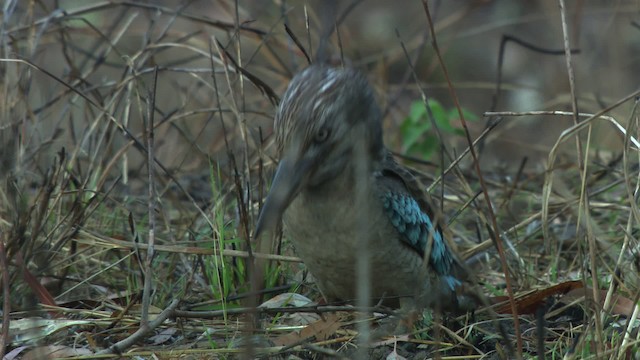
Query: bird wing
x: 408, y: 209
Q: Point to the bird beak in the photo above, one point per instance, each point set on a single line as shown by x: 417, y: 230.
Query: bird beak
x: 290, y: 176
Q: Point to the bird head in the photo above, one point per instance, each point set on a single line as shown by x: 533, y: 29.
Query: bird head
x: 323, y: 116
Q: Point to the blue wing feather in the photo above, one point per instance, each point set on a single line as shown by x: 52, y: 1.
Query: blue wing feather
x: 415, y: 227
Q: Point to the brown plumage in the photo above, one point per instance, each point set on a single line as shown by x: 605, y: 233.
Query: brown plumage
x: 329, y: 137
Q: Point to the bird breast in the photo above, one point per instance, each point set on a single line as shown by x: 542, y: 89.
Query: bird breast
x: 325, y: 229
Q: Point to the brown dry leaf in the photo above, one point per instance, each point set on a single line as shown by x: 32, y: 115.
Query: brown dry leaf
x: 321, y: 330
x: 288, y: 339
x: 529, y: 302
x: 41, y: 292
x: 324, y: 328
x: 621, y: 304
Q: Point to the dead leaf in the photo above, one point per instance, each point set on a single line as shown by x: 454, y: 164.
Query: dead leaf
x: 29, y: 330
x: 621, y: 304
x: 164, y: 336
x: 286, y: 300
x: 321, y: 330
x: 529, y: 302
x: 55, y: 352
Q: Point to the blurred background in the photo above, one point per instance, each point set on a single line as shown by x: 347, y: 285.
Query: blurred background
x: 80, y: 81
x: 107, y: 51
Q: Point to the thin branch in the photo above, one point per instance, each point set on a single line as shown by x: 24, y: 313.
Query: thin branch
x: 487, y: 197
x: 148, y: 263
x: 126, y: 343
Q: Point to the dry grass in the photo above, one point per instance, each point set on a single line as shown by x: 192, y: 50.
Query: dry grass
x: 105, y: 98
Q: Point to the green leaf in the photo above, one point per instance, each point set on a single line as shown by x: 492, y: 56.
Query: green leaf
x: 417, y: 112
x: 425, y: 148
x: 415, y: 129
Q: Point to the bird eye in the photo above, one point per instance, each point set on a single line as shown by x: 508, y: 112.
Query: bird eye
x: 322, y: 135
